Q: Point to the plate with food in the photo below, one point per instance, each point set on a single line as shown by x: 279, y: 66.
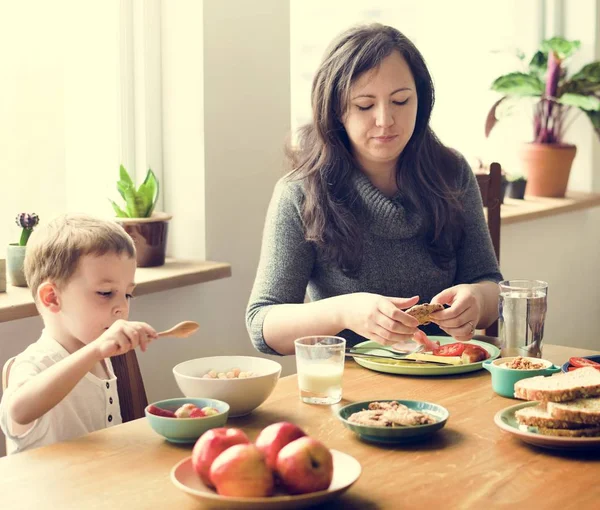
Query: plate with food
x: 346, y: 470
x: 579, y: 362
x: 451, y: 357
x: 563, y: 410
x: 393, y: 421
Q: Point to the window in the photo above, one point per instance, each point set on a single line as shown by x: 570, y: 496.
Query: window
x: 67, y: 112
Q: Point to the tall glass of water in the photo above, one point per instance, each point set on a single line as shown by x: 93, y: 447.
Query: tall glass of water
x: 320, y: 365
x: 522, y: 309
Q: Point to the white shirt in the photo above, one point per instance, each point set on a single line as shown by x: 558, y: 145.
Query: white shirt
x: 92, y: 405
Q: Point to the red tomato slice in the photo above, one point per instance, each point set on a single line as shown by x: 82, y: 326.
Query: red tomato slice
x: 455, y: 349
x: 583, y: 362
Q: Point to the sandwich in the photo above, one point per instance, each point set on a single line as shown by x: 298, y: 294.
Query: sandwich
x: 422, y: 312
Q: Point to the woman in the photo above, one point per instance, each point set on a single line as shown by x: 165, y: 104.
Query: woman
x: 376, y: 214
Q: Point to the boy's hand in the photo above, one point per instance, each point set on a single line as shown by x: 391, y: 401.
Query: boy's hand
x: 122, y: 337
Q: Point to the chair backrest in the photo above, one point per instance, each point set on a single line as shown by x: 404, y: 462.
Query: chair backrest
x: 132, y: 394
x: 5, y: 373
x: 490, y: 186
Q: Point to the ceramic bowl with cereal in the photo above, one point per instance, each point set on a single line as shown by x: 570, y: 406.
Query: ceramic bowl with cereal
x: 244, y: 382
x: 184, y: 420
x: 507, y: 371
x: 393, y: 421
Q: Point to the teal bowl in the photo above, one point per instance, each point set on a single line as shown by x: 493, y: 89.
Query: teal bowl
x: 504, y: 379
x: 187, y: 430
x: 391, y: 435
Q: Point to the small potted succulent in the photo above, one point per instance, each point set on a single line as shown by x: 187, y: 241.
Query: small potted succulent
x: 147, y: 227
x: 557, y: 98
x: 516, y: 186
x: 16, y: 251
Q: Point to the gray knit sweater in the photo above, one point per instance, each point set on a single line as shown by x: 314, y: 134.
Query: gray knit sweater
x: 396, y: 261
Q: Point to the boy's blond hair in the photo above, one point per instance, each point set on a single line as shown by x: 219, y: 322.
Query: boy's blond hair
x: 54, y: 249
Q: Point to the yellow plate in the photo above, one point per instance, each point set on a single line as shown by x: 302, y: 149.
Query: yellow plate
x: 346, y: 470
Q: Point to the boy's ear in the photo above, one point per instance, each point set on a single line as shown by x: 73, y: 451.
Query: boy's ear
x: 48, y: 297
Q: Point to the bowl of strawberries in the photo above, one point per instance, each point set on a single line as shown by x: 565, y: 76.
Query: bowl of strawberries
x: 184, y: 420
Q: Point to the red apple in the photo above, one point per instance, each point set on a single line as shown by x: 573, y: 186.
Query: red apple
x: 305, y: 465
x: 274, y: 437
x: 210, y: 445
x: 241, y: 471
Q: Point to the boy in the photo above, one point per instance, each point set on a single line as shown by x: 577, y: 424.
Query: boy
x: 81, y: 274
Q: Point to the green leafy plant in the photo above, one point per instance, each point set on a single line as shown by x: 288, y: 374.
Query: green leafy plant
x: 27, y: 222
x: 140, y: 202
x: 555, y: 94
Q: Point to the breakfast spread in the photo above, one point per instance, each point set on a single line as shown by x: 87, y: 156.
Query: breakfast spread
x: 422, y: 312
x: 521, y: 363
x: 390, y: 414
x: 234, y: 373
x: 185, y: 411
x: 569, y: 404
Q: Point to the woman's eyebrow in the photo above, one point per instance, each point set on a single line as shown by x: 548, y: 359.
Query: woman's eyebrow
x: 373, y: 97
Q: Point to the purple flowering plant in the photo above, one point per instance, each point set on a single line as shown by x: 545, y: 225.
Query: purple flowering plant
x: 27, y: 222
x: 557, y: 96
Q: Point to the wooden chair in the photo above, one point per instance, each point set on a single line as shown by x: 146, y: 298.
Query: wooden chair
x: 490, y: 186
x: 5, y: 373
x: 132, y: 394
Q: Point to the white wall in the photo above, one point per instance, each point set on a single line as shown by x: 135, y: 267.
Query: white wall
x: 564, y: 251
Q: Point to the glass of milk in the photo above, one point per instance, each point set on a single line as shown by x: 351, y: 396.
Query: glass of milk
x: 320, y: 366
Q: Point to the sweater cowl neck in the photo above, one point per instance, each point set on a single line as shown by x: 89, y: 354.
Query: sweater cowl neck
x: 386, y: 217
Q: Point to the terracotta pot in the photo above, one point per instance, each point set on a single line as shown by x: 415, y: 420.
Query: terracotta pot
x: 547, y: 167
x: 149, y: 236
x: 15, y: 257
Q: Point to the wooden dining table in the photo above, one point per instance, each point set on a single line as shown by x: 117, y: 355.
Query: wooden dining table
x: 470, y: 463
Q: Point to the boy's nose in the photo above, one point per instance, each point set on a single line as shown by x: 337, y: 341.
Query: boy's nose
x: 121, y: 308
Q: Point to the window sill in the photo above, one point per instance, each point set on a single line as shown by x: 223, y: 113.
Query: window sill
x: 516, y: 211
x: 17, y: 303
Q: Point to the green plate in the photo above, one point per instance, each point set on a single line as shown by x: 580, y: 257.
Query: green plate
x: 395, y: 434
x: 505, y: 419
x: 411, y: 368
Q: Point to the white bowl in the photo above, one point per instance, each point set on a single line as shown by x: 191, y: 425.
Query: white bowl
x: 242, y: 395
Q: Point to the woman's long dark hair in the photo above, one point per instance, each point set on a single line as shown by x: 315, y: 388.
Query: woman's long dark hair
x: 426, y: 172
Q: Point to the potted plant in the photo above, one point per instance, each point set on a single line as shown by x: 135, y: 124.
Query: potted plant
x: 15, y: 256
x: 147, y: 227
x: 556, y: 97
x: 516, y: 186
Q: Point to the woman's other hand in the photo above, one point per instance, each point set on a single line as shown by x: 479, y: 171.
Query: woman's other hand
x: 380, y: 318
x: 461, y: 318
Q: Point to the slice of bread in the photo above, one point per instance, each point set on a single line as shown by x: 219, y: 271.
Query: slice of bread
x: 593, y: 432
x: 537, y: 416
x: 581, y: 383
x: 583, y: 411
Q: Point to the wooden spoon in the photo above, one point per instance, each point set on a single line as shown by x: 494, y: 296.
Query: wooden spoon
x: 181, y: 330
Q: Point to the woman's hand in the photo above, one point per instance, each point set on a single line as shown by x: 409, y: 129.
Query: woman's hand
x: 380, y: 318
x: 461, y: 319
